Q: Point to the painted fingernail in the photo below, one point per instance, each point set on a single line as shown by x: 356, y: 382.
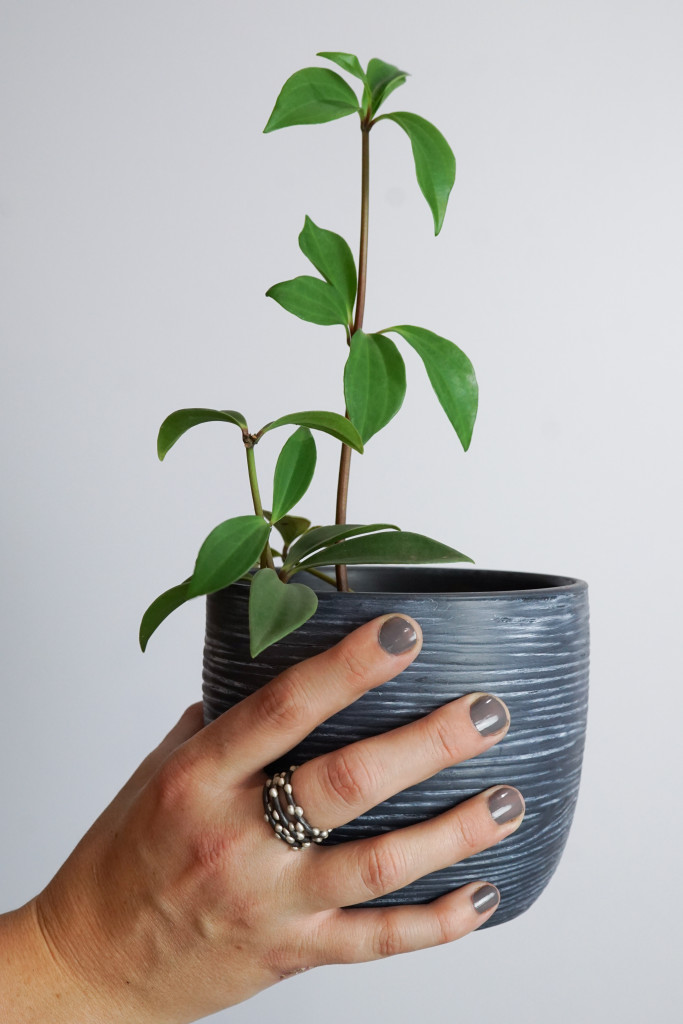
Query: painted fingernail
x: 485, y: 898
x: 489, y: 715
x: 505, y: 804
x: 397, y: 635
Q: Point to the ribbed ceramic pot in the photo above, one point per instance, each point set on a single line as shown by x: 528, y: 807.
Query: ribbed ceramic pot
x: 520, y: 636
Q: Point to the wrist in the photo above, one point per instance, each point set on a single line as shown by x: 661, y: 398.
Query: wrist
x: 35, y: 984
x: 31, y: 988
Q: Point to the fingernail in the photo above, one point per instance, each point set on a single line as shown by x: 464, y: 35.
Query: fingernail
x: 488, y: 715
x: 505, y: 804
x: 485, y: 898
x: 397, y: 635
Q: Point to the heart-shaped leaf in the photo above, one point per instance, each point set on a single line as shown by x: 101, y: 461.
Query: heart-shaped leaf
x: 276, y: 609
x: 323, y: 536
x: 293, y: 471
x: 311, y: 299
x: 451, y: 375
x: 385, y: 549
x: 312, y: 96
x: 175, y: 425
x: 230, y: 550
x: 434, y: 162
x: 329, y: 422
x: 331, y: 256
x: 374, y: 382
x: 161, y: 608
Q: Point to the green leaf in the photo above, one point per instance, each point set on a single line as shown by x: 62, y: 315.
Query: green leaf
x: 311, y: 299
x: 383, y: 78
x: 291, y: 527
x: 451, y: 375
x: 330, y: 422
x: 227, y: 553
x: 175, y: 425
x: 161, y: 608
x: 386, y: 549
x: 276, y: 609
x: 331, y: 256
x: 374, y: 382
x: 434, y: 162
x: 293, y: 472
x: 323, y: 536
x: 348, y: 61
x: 312, y: 96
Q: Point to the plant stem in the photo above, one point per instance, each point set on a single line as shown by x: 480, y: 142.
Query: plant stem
x: 266, y: 555
x: 342, y: 494
x: 345, y: 460
x: 364, y: 223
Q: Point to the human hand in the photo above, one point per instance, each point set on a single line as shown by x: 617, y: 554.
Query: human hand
x: 179, y: 901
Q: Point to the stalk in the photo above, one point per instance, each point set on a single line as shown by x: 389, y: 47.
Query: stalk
x: 364, y: 223
x: 345, y: 460
x: 266, y: 555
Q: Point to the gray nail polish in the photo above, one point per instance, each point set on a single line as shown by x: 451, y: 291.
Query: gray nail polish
x: 397, y: 635
x: 505, y: 804
x: 488, y: 715
x: 486, y: 897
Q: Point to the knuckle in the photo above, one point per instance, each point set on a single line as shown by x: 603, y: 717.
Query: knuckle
x: 283, y: 704
x: 212, y: 850
x: 467, y: 833
x: 346, y: 778
x: 446, y: 927
x: 351, y: 666
x: 175, y: 781
x: 381, y: 869
x: 444, y: 741
x: 389, y: 940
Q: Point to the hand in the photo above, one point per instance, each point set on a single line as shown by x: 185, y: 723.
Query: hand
x: 180, y: 901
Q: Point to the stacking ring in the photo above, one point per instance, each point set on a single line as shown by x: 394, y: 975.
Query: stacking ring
x: 286, y: 816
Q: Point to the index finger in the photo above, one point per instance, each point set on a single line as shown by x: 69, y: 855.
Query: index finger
x: 271, y: 721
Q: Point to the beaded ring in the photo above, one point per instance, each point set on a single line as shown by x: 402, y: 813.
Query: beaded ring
x: 286, y: 816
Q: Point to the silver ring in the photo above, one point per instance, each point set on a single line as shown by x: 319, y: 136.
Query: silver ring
x: 286, y: 816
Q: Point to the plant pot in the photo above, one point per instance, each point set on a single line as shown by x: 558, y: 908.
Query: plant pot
x: 520, y: 636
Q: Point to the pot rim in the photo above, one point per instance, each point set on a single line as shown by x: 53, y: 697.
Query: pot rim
x: 531, y: 583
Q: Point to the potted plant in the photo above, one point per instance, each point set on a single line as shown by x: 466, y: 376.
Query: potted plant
x: 279, y: 588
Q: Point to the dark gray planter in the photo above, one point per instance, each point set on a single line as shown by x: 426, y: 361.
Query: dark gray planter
x: 523, y: 637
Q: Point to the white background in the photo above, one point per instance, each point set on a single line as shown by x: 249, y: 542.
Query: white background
x: 143, y: 214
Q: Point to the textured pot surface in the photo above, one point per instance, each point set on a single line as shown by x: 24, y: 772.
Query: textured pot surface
x: 520, y: 636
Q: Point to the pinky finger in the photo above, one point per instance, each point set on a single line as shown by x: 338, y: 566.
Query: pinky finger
x: 362, y: 934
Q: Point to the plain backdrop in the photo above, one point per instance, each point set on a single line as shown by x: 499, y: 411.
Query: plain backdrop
x: 143, y: 214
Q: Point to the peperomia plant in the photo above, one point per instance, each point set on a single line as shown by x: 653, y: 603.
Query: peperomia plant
x: 241, y: 548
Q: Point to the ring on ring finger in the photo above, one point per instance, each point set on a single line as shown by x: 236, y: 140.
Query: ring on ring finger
x: 286, y: 816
